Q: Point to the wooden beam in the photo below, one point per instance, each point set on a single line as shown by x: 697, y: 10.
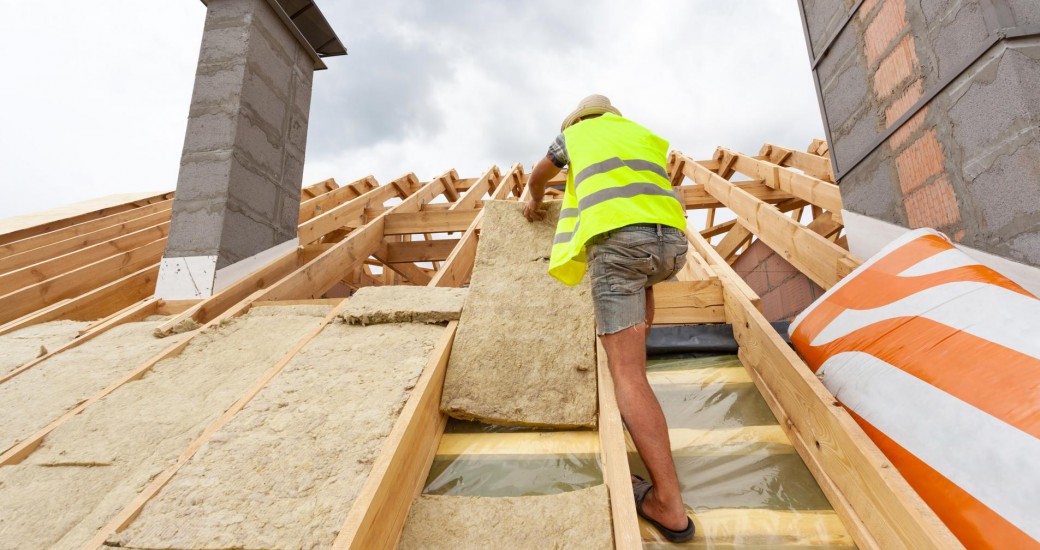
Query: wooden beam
x: 429, y: 221
x: 718, y: 229
x: 720, y: 267
x: 696, y: 196
x: 59, y: 265
x: 318, y: 189
x: 812, y: 190
x: 78, y: 281
x: 19, y: 260
x: 877, y: 506
x: 414, y: 274
x: 514, y: 177
x: 124, y: 517
x: 813, y: 255
x: 815, y: 166
x: 96, y: 303
x: 614, y: 460
x: 448, y: 180
x: 54, y: 225
x: 458, y: 266
x: 123, y: 222
x: 320, y: 274
x: 377, y: 517
x: 686, y: 302
x: 733, y: 240
x: 321, y: 204
x: 420, y: 251
x: 135, y: 312
x: 477, y: 190
x: 825, y: 225
x: 341, y: 215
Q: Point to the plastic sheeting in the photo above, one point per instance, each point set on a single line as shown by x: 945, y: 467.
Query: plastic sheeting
x: 498, y: 461
x: 697, y: 340
x: 738, y: 471
x: 938, y: 359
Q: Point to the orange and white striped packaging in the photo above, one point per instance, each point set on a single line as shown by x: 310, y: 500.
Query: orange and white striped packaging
x: 938, y: 359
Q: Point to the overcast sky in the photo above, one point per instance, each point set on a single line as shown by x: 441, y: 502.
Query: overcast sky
x: 95, y: 94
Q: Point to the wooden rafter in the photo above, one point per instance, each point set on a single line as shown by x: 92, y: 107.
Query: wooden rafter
x: 821, y: 260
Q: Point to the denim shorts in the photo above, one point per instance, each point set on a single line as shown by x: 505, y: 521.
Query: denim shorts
x: 626, y: 261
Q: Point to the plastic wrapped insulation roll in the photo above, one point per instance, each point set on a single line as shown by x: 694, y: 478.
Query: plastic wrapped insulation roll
x: 938, y: 358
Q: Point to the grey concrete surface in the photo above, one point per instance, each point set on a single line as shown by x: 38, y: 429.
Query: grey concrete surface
x: 986, y: 119
x: 238, y: 191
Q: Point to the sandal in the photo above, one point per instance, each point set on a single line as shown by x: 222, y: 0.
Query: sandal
x: 642, y: 488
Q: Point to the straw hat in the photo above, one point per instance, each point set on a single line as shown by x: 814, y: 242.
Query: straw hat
x: 595, y: 104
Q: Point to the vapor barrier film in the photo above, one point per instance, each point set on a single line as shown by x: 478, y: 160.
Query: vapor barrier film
x: 739, y: 474
x: 496, y: 461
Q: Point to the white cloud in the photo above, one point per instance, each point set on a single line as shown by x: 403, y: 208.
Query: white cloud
x: 428, y: 86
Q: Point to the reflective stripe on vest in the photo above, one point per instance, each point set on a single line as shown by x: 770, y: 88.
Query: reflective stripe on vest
x: 616, y: 178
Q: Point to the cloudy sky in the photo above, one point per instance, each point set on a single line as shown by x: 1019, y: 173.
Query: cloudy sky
x: 96, y: 93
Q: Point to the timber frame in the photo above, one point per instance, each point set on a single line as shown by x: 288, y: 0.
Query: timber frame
x: 102, y: 266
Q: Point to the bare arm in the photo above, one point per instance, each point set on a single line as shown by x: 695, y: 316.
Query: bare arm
x: 544, y: 171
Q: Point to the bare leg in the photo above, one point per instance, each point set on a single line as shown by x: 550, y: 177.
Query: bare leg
x: 626, y: 355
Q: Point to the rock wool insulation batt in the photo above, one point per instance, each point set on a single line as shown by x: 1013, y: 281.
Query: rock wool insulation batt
x: 94, y: 464
x: 38, y: 396
x: 21, y: 346
x: 524, y: 353
x: 404, y: 304
x: 286, y: 470
x: 578, y: 519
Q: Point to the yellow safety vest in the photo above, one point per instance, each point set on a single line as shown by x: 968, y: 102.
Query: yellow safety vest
x: 617, y: 177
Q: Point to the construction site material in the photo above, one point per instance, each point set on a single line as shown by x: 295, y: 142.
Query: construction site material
x: 759, y: 529
x: 525, y: 351
x: 21, y: 346
x: 736, y: 467
x: 713, y: 339
x: 286, y: 470
x: 404, y: 304
x: 925, y: 345
x: 577, y: 519
x: 498, y: 461
x: 88, y: 468
x: 34, y: 398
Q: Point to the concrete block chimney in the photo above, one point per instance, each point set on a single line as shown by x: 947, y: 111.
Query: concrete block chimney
x: 238, y: 191
x: 932, y: 111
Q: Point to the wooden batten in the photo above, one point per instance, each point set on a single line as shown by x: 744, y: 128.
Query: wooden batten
x: 54, y: 225
x: 378, y: 515
x: 83, y: 242
x: 123, y: 518
x: 123, y: 222
x: 614, y: 460
x: 686, y: 302
x: 812, y: 254
x: 877, y: 506
x: 429, y: 221
x: 817, y: 166
x: 812, y: 190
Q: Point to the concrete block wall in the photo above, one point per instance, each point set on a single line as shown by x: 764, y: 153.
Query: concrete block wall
x: 932, y: 109
x: 238, y: 192
x: 784, y: 290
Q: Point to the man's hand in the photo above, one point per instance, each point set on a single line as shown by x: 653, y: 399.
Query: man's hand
x: 534, y: 210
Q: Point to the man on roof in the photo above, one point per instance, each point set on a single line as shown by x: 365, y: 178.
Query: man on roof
x: 621, y: 221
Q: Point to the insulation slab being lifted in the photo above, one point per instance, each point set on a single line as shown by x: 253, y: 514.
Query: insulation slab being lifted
x: 404, y: 304
x: 93, y: 465
x: 525, y: 349
x: 578, y: 519
x: 286, y: 470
